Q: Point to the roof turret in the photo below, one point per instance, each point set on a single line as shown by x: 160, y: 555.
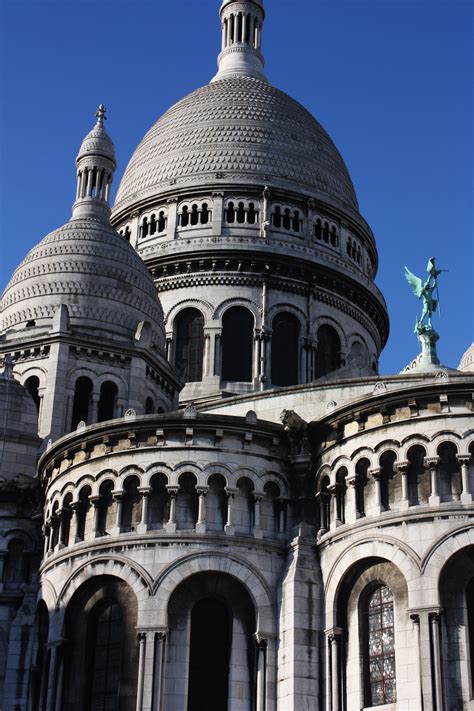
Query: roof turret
x: 242, y: 24
x: 95, y: 171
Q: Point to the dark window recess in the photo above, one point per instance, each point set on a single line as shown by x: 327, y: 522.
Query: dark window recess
x: 328, y: 353
x: 149, y: 406
x: 189, y: 351
x: 107, y: 401
x: 285, y: 349
x: 209, y: 657
x: 82, y: 400
x: 105, y: 682
x: 237, y: 344
x: 32, y: 385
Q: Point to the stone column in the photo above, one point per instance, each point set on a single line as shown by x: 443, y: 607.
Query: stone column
x: 172, y: 218
x: 229, y: 528
x: 145, y: 494
x: 217, y: 213
x: 47, y: 536
x: 158, y: 665
x: 466, y: 496
x: 333, y: 520
x: 170, y: 526
x: 257, y: 530
x: 333, y: 688
x: 141, y: 669
x: 351, y: 514
x: 281, y: 518
x: 73, y: 533
x: 402, y: 469
x: 434, y: 619
x: 118, y: 497
x: 431, y: 463
x: 376, y: 475
x: 416, y: 627
x: 261, y: 692
x: 95, y: 500
x: 201, y: 522
x: 206, y: 360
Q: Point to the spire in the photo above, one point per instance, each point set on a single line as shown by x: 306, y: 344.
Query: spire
x: 241, y: 23
x: 95, y: 171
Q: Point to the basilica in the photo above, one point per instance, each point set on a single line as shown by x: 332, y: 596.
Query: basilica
x: 210, y: 499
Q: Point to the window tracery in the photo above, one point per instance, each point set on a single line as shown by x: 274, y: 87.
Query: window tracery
x: 380, y: 671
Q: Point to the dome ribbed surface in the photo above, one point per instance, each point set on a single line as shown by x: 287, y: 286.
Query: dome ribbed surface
x: 88, y: 267
x: 97, y: 143
x: 243, y: 130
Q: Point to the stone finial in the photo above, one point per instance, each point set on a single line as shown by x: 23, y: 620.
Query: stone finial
x: 100, y: 113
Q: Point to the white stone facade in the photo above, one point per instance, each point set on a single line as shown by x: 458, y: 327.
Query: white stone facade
x: 300, y: 534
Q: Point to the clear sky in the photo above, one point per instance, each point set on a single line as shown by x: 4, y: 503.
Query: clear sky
x: 390, y: 80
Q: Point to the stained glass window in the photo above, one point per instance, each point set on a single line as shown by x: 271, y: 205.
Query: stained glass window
x: 381, y: 647
x: 105, y: 687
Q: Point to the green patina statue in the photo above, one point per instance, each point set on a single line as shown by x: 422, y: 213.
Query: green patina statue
x: 425, y: 291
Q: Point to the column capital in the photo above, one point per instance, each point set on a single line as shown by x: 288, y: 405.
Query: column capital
x: 118, y: 494
x: 95, y: 500
x: 144, y: 490
x: 230, y: 491
x: 376, y: 472
x: 202, y: 490
x: 172, y: 490
x: 430, y: 462
x: 463, y: 458
x: 402, y: 466
x: 258, y: 496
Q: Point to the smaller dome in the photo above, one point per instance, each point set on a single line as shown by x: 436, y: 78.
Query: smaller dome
x: 97, y: 142
x: 466, y: 364
x: 87, y: 266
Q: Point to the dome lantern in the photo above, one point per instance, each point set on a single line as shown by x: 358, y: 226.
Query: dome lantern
x: 95, y: 171
x: 241, y: 23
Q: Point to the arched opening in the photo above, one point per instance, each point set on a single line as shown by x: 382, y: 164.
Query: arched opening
x: 194, y: 215
x: 107, y: 508
x: 252, y: 214
x: 189, y: 350
x: 216, y: 503
x: 101, y: 656
x: 230, y: 213
x: 390, y: 484
x: 341, y: 489
x: 456, y: 590
x: 158, y: 511
x: 16, y: 565
x: 107, y: 401
x: 241, y: 213
x: 285, y: 349
x: 277, y: 217
x: 450, y: 486
x: 237, y: 344
x: 132, y: 505
x: 324, y: 496
x: 82, y: 401
x: 209, y: 673
x: 244, y: 506
x: 187, y: 503
x: 270, y: 509
x: 362, y: 468
x: 328, y: 352
x: 84, y: 513
x: 212, y: 651
x: 149, y: 406
x: 32, y: 385
x: 65, y: 524
x: 184, y: 216
x: 418, y: 476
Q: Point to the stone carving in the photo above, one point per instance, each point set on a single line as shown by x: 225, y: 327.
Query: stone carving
x: 81, y: 426
x: 130, y: 413
x: 190, y: 411
x: 251, y: 417
x: 295, y: 427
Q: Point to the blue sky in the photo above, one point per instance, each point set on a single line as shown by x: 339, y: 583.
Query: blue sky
x: 390, y: 80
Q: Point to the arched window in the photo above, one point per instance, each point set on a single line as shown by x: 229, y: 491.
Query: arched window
x: 324, y: 504
x: 285, y: 349
x: 362, y: 467
x: 131, y: 506
x: 209, y: 657
x: 252, y: 214
x: 107, y: 657
x: 158, y: 510
x: 328, y: 352
x: 184, y: 217
x: 82, y: 400
x: 194, y: 214
x: 450, y: 485
x: 32, y: 385
x: 379, y: 648
x: 84, y: 512
x: 277, y: 217
x: 187, y: 503
x: 216, y: 504
x: 341, y: 489
x: 107, y: 401
x: 241, y: 213
x: 149, y: 406
x: 66, y: 515
x: 16, y: 565
x: 107, y: 508
x: 189, y: 350
x: 244, y: 506
x: 237, y: 344
x: 418, y: 476
x: 230, y: 213
x: 270, y: 509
